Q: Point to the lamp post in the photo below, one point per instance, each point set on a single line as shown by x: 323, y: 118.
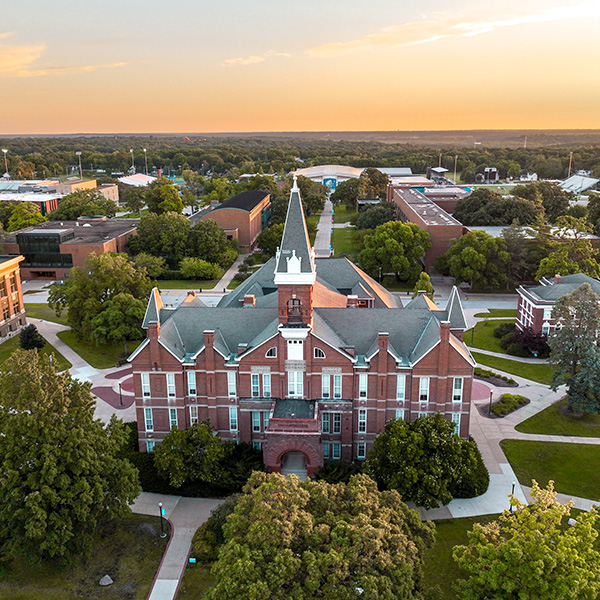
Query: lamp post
x: 512, y: 494
x: 570, y: 164
x: 132, y: 163
x: 455, y: 163
x: 162, y: 527
x: 5, y: 151
x: 146, y: 160
x: 120, y: 395
x: 490, y: 407
x: 80, y: 169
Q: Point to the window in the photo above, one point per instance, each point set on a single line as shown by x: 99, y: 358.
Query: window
x: 255, y: 385
x: 325, y: 386
x: 146, y: 385
x: 337, y: 386
x: 150, y: 445
x: 295, y: 350
x: 456, y: 420
x: 231, y: 387
x: 423, y: 389
x: 361, y: 450
x: 257, y: 445
x: 457, y: 389
x: 400, y: 413
x: 401, y: 387
x: 171, y: 385
x: 5, y: 313
x: 2, y: 289
x: 319, y: 353
x: 265, y: 420
x: 271, y: 353
x: 148, y: 419
x: 331, y: 422
x: 362, y: 385
x: 547, y: 314
x: 172, y: 418
x: 362, y: 420
x: 325, y: 423
x: 266, y: 385
x: 325, y: 451
x: 255, y: 420
x: 545, y: 329
x: 191, y: 378
x: 233, y: 418
x: 13, y: 283
x: 295, y: 383
x: 336, y: 451
x: 193, y: 415
x: 422, y: 413
x: 337, y: 423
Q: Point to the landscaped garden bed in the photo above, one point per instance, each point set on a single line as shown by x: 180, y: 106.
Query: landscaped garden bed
x: 507, y: 404
x: 494, y: 378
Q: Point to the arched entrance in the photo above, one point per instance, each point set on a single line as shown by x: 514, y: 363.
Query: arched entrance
x: 294, y: 463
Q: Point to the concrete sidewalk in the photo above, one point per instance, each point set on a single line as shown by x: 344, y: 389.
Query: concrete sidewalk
x: 322, y: 244
x: 185, y: 516
x: 221, y: 286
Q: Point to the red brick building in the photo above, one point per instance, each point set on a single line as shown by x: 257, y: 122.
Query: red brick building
x: 307, y: 359
x: 536, y: 302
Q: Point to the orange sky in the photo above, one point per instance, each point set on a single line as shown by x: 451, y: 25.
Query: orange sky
x: 274, y: 65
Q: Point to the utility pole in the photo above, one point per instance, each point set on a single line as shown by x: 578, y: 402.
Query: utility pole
x: 80, y: 169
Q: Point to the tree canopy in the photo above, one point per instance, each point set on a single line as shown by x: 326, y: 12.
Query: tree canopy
x: 397, y: 248
x: 269, y: 239
x: 93, y: 289
x: 376, y: 215
x: 530, y: 553
x: 83, y: 203
x: 553, y: 198
x: 161, y: 196
x: 25, y: 214
x: 61, y: 471
x: 291, y: 539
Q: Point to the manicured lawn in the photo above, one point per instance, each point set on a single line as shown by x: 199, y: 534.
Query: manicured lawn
x: 572, y: 467
x: 8, y: 347
x: 343, y: 241
x: 483, y: 337
x: 554, y: 421
x: 185, y: 284
x: 542, y: 373
x: 43, y: 311
x: 100, y: 357
x: 498, y: 312
x: 440, y: 569
x: 129, y: 550
x: 196, y: 581
x: 341, y: 214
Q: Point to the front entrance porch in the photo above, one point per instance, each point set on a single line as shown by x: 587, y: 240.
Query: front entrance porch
x: 294, y: 463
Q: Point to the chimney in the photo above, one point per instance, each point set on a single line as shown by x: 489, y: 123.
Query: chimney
x: 153, y: 331
x: 249, y: 301
x: 242, y: 348
x: 209, y: 338
x: 445, y: 332
x: 557, y: 279
x: 444, y: 354
x: 349, y: 350
x: 383, y: 340
x: 351, y: 301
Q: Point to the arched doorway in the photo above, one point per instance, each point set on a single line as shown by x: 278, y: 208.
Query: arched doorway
x: 294, y: 463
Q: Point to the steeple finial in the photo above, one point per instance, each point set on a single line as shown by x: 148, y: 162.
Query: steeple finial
x: 295, y: 186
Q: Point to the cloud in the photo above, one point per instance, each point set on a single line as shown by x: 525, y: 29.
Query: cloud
x: 254, y: 59
x: 18, y: 61
x: 432, y: 30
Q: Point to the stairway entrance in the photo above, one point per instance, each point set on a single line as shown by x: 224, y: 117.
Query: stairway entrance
x: 294, y: 463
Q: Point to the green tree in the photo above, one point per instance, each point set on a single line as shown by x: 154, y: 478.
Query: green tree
x: 154, y: 265
x: 584, y: 387
x: 133, y: 198
x: 593, y: 211
x: 476, y: 258
x: 61, y: 471
x: 423, y: 285
x: 292, y: 539
x: 6, y: 210
x: 553, y: 198
x: 397, y: 248
x: 269, y: 239
x: 83, y: 203
x: 25, y: 215
x: 422, y: 459
x: 346, y: 193
x: 376, y: 215
x: 88, y: 291
x: 372, y: 183
x: 208, y: 241
x: 196, y: 268
x: 579, y: 316
x: 161, y: 196
x: 30, y: 338
x: 529, y: 554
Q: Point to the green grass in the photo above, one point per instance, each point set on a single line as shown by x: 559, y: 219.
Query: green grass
x: 341, y: 214
x: 343, y: 241
x: 185, y: 284
x: 554, y: 421
x: 498, y: 312
x: 542, y: 373
x: 572, y: 467
x: 43, y: 311
x: 8, y: 347
x: 196, y: 581
x: 129, y: 550
x: 483, y: 337
x: 100, y: 357
x: 233, y: 284
x: 440, y: 569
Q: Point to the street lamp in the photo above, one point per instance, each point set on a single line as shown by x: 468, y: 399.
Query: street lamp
x: 146, y: 160
x: 120, y: 395
x: 162, y: 527
x: 490, y: 407
x: 80, y: 170
x: 132, y: 163
x: 5, y: 162
x: 512, y: 494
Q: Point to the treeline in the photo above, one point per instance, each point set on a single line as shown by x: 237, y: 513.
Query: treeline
x: 53, y: 157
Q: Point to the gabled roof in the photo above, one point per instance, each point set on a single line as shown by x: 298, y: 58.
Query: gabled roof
x: 550, y: 291
x: 244, y: 200
x: 422, y: 301
x: 454, y: 311
x: 155, y: 304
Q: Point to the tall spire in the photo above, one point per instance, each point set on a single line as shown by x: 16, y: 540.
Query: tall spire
x: 295, y: 260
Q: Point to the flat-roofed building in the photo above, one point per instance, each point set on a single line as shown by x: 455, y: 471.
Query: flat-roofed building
x: 11, y: 296
x: 76, y: 185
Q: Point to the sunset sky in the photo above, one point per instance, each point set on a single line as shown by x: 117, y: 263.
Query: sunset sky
x: 310, y: 65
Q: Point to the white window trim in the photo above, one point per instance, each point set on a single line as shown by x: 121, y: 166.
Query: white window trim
x: 256, y: 421
x: 266, y: 381
x: 400, y: 413
x: 231, y: 384
x: 172, y: 418
x: 362, y: 420
x: 150, y: 444
x: 296, y: 384
x: 401, y: 387
x: 318, y: 353
x: 191, y: 381
x: 361, y: 451
x: 363, y: 384
x: 148, y: 420
x: 266, y: 416
x: 193, y: 417
x: 325, y: 422
x: 271, y: 352
x: 233, y: 419
x: 145, y: 385
x: 336, y: 451
x: 458, y: 393
x: 325, y: 386
x: 337, y: 387
x: 423, y: 389
x: 170, y: 385
x: 255, y: 385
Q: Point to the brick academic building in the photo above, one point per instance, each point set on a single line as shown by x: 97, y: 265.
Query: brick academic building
x: 307, y: 359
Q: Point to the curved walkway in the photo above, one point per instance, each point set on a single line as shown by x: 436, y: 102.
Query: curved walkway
x: 322, y: 244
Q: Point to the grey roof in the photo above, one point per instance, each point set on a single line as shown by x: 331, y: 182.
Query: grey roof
x: 578, y: 183
x: 427, y: 340
x: 153, y: 308
x: 293, y: 409
x: 568, y: 283
x: 454, y: 311
x: 295, y: 237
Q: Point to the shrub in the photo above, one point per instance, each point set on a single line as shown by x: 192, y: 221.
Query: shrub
x: 503, y: 329
x: 509, y: 343
x: 30, y: 338
x: 536, y: 344
x: 486, y: 374
x: 196, y: 268
x: 228, y: 258
x: 508, y: 403
x: 475, y: 478
x: 170, y: 274
x: 337, y: 472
